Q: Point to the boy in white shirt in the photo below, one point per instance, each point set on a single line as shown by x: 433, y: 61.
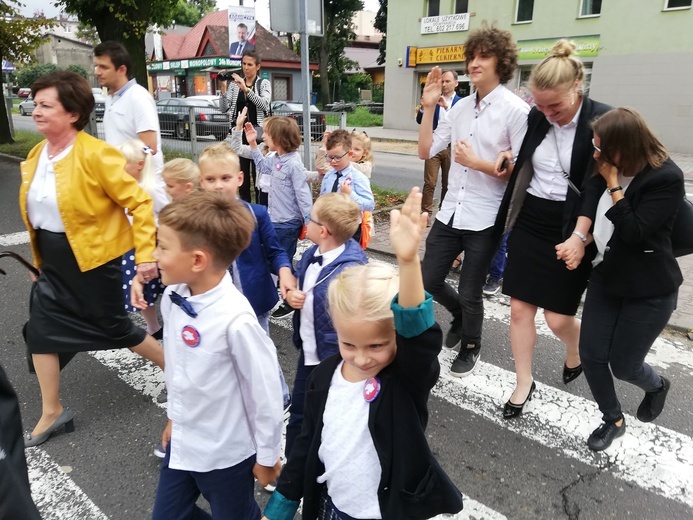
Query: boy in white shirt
x: 222, y: 376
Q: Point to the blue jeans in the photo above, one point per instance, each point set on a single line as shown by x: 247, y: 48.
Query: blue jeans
x: 615, y: 336
x: 287, y: 234
x: 498, y: 264
x: 298, y: 397
x: 443, y: 245
x: 229, y: 491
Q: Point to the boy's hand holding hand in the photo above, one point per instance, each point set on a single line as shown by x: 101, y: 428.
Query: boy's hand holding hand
x: 287, y: 281
x: 407, y: 227
x: 250, y: 135
x: 137, y: 294
x: 242, y: 116
x: 295, y: 298
x: 266, y: 475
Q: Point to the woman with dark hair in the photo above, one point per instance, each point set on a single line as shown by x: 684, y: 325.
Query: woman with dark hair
x: 255, y: 93
x: 633, y: 288
x: 541, y: 206
x: 72, y: 199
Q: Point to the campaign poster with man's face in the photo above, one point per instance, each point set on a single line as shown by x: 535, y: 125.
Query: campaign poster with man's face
x: 241, y: 30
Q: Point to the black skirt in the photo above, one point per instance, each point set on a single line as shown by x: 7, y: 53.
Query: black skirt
x: 533, y: 274
x: 73, y: 311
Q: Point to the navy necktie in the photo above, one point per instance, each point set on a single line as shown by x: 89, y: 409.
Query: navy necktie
x: 183, y: 303
x: 336, y: 182
x: 317, y: 259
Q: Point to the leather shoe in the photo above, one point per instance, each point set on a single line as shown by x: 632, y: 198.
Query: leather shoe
x: 653, y: 403
x: 66, y: 419
x: 569, y: 374
x: 603, y: 436
x: 512, y: 410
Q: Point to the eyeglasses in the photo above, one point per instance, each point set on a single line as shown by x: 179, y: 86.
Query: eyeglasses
x: 331, y: 158
x: 308, y: 218
x: 596, y: 147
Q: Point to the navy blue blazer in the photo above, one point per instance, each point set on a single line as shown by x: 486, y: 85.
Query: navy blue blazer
x: 436, y: 115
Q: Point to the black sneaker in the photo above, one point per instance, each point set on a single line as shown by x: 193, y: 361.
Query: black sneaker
x: 492, y: 286
x: 162, y: 397
x: 283, y: 311
x: 653, y: 403
x: 603, y: 436
x: 465, y: 362
x: 453, y: 338
x: 159, y: 451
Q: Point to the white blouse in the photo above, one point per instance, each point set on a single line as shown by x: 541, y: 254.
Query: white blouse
x: 603, y: 227
x: 42, y: 199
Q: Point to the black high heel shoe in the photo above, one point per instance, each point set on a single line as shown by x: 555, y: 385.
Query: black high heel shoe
x: 512, y: 410
x: 569, y: 374
x: 66, y: 419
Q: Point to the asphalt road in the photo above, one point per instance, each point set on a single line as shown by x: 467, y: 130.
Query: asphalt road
x: 537, y: 467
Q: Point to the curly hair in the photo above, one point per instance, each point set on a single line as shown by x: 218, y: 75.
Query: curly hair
x: 496, y: 42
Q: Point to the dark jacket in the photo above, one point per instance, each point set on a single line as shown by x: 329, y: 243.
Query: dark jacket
x: 262, y: 258
x: 412, y: 483
x: 436, y: 114
x: 638, y: 260
x: 325, y: 335
x: 581, y: 167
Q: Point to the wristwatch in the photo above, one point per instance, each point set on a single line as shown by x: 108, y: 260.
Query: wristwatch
x: 581, y: 236
x: 614, y: 189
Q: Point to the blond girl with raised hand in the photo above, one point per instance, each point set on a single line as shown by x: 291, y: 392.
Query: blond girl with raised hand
x: 140, y: 166
x: 363, y: 452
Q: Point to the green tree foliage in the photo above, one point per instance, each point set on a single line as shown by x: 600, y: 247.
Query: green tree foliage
x: 190, y: 12
x: 88, y: 34
x: 79, y: 70
x: 19, y: 38
x: 381, y: 25
x: 27, y: 75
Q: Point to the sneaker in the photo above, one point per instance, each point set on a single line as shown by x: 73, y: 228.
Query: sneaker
x: 271, y: 487
x: 453, y: 338
x: 162, y: 397
x: 492, y: 286
x: 653, y: 403
x: 283, y: 311
x: 603, y: 436
x: 465, y: 362
x: 159, y: 451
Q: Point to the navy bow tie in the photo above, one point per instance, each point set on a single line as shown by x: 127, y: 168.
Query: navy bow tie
x: 183, y: 303
x: 317, y: 259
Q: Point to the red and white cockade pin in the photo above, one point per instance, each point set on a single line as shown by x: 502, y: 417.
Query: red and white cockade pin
x: 190, y: 336
x: 371, y: 389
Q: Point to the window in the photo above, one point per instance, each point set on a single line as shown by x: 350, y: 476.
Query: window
x: 433, y: 8
x: 525, y: 9
x: 461, y: 6
x: 591, y: 8
x: 677, y: 4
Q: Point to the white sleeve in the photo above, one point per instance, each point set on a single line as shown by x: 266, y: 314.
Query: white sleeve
x: 235, y: 140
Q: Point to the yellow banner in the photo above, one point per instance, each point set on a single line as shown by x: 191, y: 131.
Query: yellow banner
x: 445, y: 54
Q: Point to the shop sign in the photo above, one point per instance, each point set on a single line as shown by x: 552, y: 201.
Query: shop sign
x: 193, y: 63
x: 586, y: 47
x: 445, y: 54
x: 445, y: 23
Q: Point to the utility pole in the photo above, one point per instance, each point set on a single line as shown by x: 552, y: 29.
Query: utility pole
x: 306, y: 80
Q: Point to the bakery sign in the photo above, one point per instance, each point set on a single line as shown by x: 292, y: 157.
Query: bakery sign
x: 445, y: 23
x: 444, y: 54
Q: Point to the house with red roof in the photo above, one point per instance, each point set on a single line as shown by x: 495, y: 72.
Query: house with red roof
x: 188, y: 64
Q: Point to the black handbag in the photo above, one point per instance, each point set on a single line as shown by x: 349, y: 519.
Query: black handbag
x: 682, y: 232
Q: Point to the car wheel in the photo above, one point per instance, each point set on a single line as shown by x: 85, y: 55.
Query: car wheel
x: 180, y: 131
x: 22, y: 111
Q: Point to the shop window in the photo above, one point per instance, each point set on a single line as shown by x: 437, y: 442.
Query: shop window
x: 590, y: 8
x: 525, y: 10
x: 433, y: 8
x: 461, y: 6
x: 677, y: 4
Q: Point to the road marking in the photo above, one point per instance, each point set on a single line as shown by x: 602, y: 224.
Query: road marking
x: 14, y: 239
x: 55, y: 494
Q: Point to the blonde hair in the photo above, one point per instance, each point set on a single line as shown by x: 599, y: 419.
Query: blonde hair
x: 221, y: 152
x: 560, y: 69
x: 364, y: 293
x: 182, y: 170
x: 365, y: 141
x: 135, y: 151
x: 339, y: 213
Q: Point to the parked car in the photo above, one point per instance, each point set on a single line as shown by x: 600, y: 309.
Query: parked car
x: 24, y: 92
x: 26, y: 107
x: 174, y: 117
x: 294, y: 109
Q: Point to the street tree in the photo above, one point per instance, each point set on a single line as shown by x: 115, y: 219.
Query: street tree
x: 188, y: 13
x: 380, y: 24
x: 19, y: 38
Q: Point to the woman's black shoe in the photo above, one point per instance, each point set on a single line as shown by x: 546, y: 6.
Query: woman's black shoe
x: 653, y: 403
x: 603, y: 436
x: 569, y: 374
x: 512, y: 410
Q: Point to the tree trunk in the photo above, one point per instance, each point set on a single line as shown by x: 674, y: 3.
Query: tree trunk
x: 323, y: 65
x: 5, y: 134
x: 111, y: 29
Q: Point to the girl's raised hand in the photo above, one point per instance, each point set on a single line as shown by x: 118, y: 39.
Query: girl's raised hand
x: 407, y: 227
x: 240, y: 120
x: 250, y: 133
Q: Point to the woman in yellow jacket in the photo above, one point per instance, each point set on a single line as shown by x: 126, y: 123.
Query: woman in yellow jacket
x: 73, y: 192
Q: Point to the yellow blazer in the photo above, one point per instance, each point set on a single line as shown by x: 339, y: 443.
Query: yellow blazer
x: 92, y: 190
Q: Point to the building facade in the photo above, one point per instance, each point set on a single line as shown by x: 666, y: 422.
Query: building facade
x: 637, y: 54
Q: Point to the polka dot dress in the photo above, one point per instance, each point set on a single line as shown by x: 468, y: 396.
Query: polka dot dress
x: 152, y: 289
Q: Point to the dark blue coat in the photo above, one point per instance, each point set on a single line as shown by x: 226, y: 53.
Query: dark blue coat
x: 436, y: 114
x: 325, y: 335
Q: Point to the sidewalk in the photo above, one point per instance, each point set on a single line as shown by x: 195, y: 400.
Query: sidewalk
x: 681, y: 319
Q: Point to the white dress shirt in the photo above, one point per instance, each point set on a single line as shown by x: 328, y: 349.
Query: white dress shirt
x: 497, y: 123
x: 551, y: 158
x: 42, y: 200
x: 307, y: 327
x: 222, y: 377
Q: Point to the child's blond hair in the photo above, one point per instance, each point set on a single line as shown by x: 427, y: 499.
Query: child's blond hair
x: 182, y: 170
x: 339, y: 213
x: 364, y: 293
x: 365, y: 141
x: 221, y: 152
x: 134, y: 151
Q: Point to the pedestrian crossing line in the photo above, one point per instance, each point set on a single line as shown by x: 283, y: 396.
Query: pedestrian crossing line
x: 14, y: 239
x: 652, y: 457
x: 55, y: 494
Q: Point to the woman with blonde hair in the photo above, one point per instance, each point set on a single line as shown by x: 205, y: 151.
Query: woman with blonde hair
x: 541, y: 206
